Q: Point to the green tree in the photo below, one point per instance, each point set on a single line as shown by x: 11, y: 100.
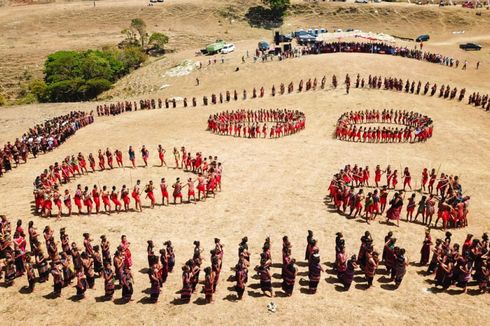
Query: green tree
x: 62, y: 65
x: 38, y: 89
x: 70, y: 90
x: 277, y: 5
x: 158, y: 40
x: 94, y: 87
x: 132, y: 58
x: 80, y: 76
x: 94, y: 65
x: 139, y: 26
x: 131, y: 37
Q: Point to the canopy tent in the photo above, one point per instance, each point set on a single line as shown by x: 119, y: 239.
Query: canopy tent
x: 330, y: 37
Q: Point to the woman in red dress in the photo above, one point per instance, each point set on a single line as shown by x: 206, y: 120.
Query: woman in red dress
x: 87, y: 200
x: 105, y: 200
x: 161, y: 155
x: 78, y: 199
x: 57, y: 202
x: 377, y: 176
x: 115, y: 199
x: 96, y: 198
x: 101, y: 160
x: 125, y: 197
x: 407, y: 178
x: 136, y: 196
x: 163, y: 188
x: 67, y: 201
x: 396, y: 205
x: 149, y: 193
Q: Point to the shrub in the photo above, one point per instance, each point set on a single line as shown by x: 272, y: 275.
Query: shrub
x: 80, y: 76
x: 3, y: 100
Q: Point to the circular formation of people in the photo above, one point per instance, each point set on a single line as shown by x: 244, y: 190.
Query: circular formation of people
x: 452, y: 205
x: 416, y: 127
x: 88, y: 200
x: 253, y: 124
x: 351, y: 192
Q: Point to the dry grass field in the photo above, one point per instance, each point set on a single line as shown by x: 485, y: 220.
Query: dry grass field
x: 270, y: 187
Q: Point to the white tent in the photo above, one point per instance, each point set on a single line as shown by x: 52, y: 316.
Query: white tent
x: 330, y: 37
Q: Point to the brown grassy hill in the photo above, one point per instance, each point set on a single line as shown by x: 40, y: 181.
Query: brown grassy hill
x: 28, y: 36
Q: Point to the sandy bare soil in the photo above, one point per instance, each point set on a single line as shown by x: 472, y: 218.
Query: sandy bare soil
x: 270, y: 187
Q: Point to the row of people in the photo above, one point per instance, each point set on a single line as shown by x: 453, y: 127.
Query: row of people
x: 452, y: 205
x: 372, y: 82
x: 72, y: 166
x: 91, y: 201
x: 254, y: 124
x: 418, y: 127
x: 85, y: 265
x: 42, y: 138
x: 478, y: 100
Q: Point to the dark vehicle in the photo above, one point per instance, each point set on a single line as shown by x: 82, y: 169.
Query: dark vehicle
x: 470, y: 47
x: 263, y: 46
x: 305, y: 39
x: 281, y: 38
x: 285, y: 38
x: 422, y: 38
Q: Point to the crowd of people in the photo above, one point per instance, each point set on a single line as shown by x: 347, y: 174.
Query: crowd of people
x: 311, y: 84
x: 42, y: 138
x: 73, y: 264
x: 49, y: 197
x: 253, y: 124
x: 381, y: 48
x: 66, y: 262
x: 441, y: 190
x: 417, y: 127
x: 452, y: 264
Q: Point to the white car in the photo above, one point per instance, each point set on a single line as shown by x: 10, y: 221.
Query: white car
x: 361, y: 1
x: 228, y: 48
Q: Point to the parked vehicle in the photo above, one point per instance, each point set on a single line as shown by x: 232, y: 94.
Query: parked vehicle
x: 216, y: 47
x: 263, y: 46
x: 284, y: 38
x: 470, y: 47
x: 422, y: 38
x: 228, y: 48
x: 361, y: 1
x: 306, y: 38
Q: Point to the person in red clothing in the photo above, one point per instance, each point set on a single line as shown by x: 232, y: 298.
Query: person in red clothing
x: 164, y: 190
x: 136, y: 196
x: 119, y: 158
x: 105, y: 200
x: 161, y: 155
x: 96, y: 198
x: 150, y: 194
x: 407, y: 178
